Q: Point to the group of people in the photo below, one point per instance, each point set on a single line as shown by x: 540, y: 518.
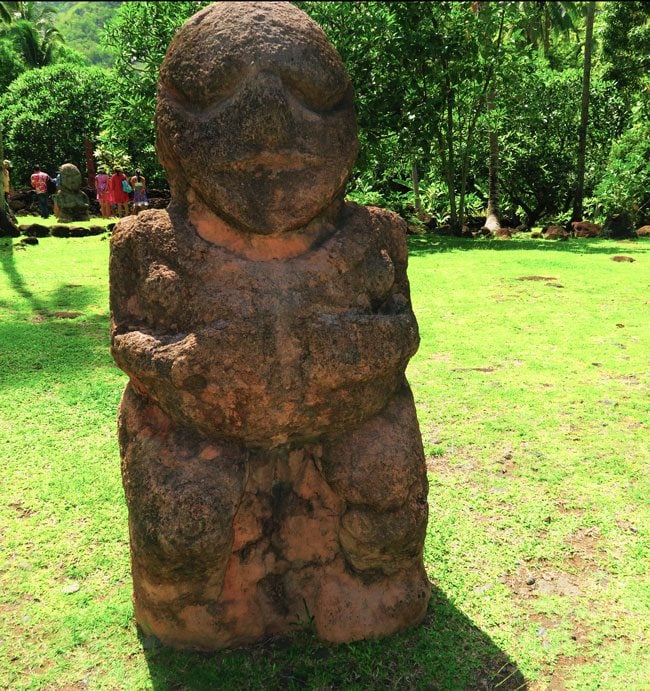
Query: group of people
x: 117, y: 194
x: 118, y: 191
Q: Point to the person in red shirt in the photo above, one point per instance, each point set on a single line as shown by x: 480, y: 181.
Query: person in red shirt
x: 39, y: 182
x: 118, y: 196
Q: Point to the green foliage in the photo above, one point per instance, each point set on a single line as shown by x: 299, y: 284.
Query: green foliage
x: 421, y: 71
x: 11, y: 63
x: 538, y: 140
x: 46, y: 113
x: 108, y: 153
x: 29, y: 25
x: 38, y: 44
x: 139, y: 35
x: 625, y: 185
x: 71, y: 56
x: 81, y: 24
x: 625, y: 35
x: 362, y: 192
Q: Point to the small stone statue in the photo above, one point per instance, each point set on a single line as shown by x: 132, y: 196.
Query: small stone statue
x: 71, y: 204
x: 271, y: 456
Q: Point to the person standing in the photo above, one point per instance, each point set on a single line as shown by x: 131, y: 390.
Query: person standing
x: 119, y: 196
x: 6, y: 182
x: 139, y: 185
x: 103, y: 190
x: 39, y: 182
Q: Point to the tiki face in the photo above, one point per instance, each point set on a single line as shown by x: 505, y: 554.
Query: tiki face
x: 255, y: 114
x: 70, y: 178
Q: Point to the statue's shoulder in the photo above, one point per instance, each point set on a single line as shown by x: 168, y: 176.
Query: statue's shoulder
x: 383, y: 226
x: 375, y: 218
x: 153, y: 225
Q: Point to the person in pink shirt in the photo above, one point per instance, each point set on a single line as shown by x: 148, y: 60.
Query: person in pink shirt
x: 102, y: 188
x: 39, y: 182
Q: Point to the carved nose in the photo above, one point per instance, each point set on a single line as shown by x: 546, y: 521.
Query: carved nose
x: 268, y: 122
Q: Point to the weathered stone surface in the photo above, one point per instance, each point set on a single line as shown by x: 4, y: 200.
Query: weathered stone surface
x: 71, y: 203
x: 619, y: 226
x: 282, y: 89
x: 586, y: 229
x: 272, y: 460
x: 34, y: 230
x: 553, y: 232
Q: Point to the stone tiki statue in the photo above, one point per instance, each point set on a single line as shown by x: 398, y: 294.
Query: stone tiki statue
x: 71, y: 203
x: 271, y: 455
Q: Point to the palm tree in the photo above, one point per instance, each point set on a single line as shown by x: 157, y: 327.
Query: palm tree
x: 30, y: 26
x: 37, y: 46
x: 31, y: 11
x: 5, y: 13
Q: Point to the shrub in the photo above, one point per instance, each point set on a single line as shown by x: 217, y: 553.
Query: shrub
x: 46, y: 113
x: 625, y: 186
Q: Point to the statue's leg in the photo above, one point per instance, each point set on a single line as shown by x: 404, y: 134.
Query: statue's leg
x: 229, y: 545
x: 378, y: 586
x: 182, y: 492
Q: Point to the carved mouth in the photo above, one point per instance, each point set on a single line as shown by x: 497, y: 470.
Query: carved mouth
x: 271, y: 162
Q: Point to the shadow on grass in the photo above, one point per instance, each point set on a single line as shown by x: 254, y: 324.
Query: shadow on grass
x: 420, y: 245
x: 52, y: 341
x: 66, y: 296
x: 53, y: 350
x: 447, y: 651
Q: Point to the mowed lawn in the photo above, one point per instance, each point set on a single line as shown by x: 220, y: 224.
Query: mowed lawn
x: 532, y: 386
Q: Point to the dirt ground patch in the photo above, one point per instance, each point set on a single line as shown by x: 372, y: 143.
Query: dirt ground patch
x: 529, y: 581
x: 536, y: 278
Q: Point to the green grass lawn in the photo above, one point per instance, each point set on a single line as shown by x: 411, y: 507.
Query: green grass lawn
x: 533, y: 397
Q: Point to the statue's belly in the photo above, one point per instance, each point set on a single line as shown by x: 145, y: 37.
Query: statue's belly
x: 275, y: 378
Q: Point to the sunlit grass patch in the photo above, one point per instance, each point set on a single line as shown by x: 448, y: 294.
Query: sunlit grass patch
x: 533, y: 403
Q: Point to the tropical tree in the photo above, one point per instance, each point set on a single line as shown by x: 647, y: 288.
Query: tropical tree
x: 625, y: 35
x: 584, y: 114
x: 422, y: 73
x: 11, y: 63
x: 139, y: 35
x: 37, y: 45
x: 543, y: 20
x: 30, y: 25
x: 47, y: 113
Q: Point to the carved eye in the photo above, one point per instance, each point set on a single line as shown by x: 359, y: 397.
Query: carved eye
x: 314, y: 96
x: 199, y: 89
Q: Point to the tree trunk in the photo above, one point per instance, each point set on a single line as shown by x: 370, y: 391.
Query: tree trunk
x: 8, y: 225
x: 489, y: 83
x: 546, y: 33
x: 416, y: 185
x: 449, y: 172
x: 90, y: 163
x: 584, y: 115
x: 492, y: 221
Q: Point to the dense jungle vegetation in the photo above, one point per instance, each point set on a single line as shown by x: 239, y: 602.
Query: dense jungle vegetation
x: 528, y: 111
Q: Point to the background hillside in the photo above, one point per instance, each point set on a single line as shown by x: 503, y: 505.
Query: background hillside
x: 81, y: 24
